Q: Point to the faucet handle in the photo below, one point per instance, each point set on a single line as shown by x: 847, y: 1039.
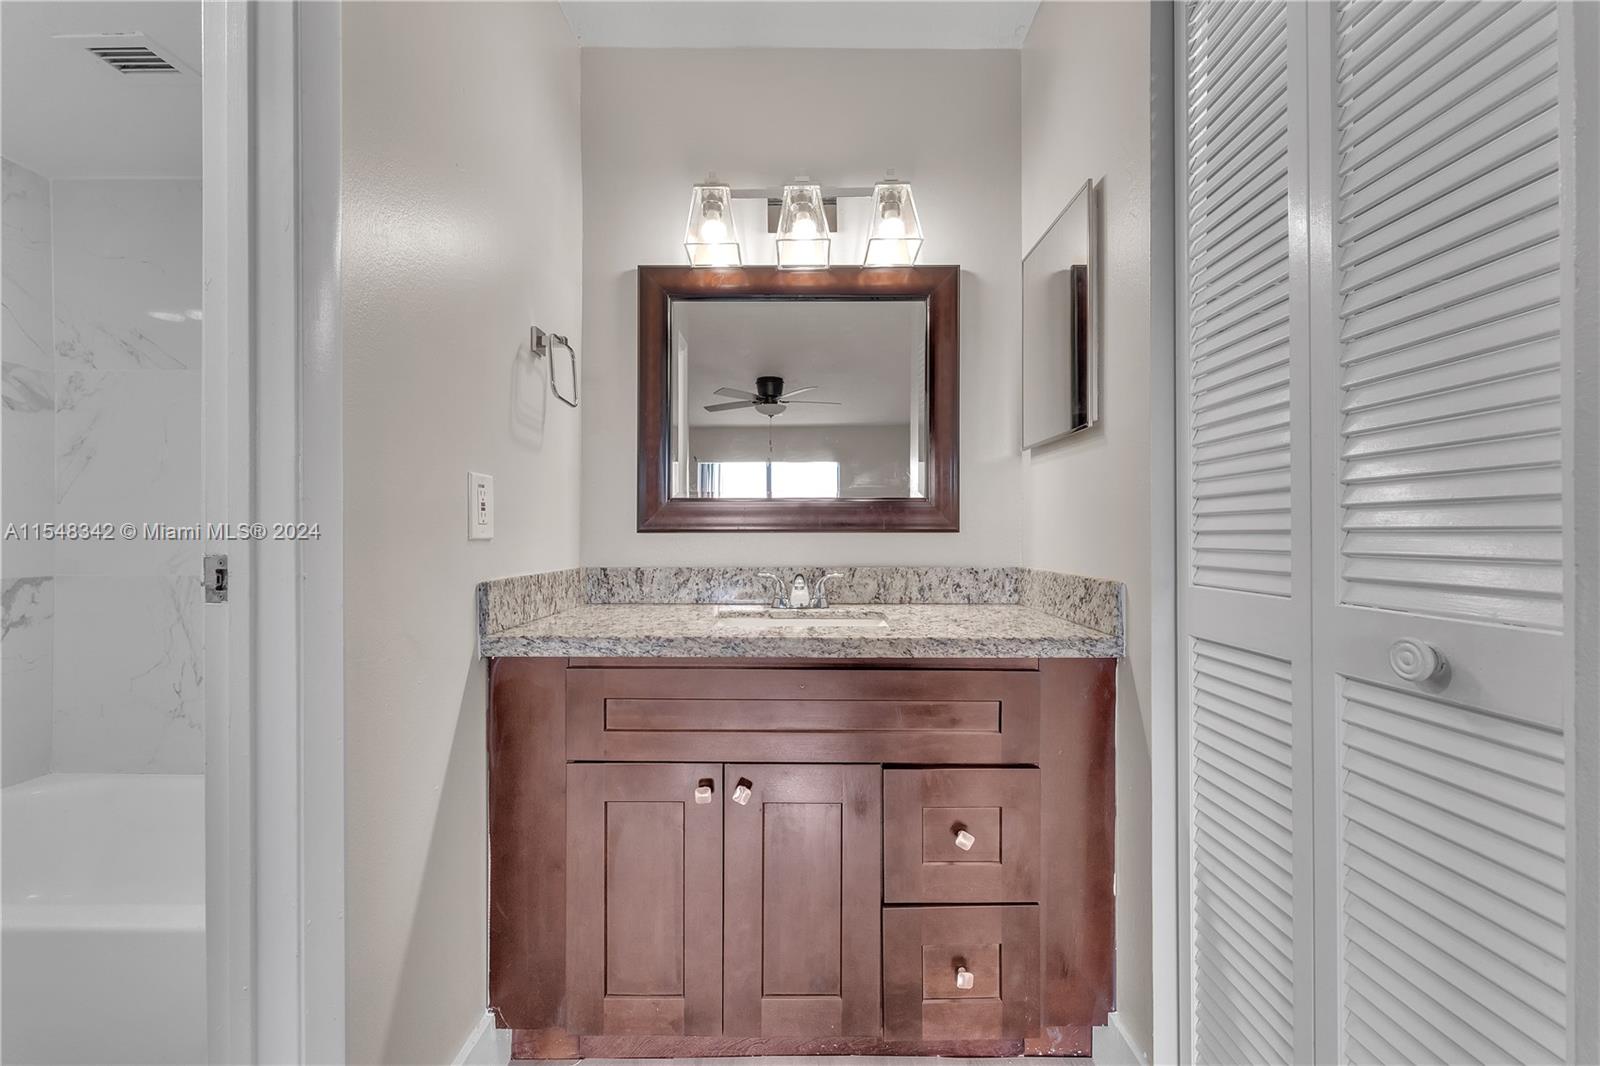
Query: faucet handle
x: 782, y: 597
x: 822, y: 587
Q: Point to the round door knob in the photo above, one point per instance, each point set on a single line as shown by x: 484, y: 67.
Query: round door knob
x: 965, y: 840
x: 741, y: 793
x: 1415, y: 660
x: 964, y: 978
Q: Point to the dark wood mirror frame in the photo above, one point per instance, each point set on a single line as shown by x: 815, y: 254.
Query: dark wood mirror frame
x: 938, y: 512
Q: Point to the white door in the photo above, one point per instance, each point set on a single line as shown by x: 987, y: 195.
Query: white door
x: 1377, y: 315
x: 1437, y: 349
x: 1244, y: 574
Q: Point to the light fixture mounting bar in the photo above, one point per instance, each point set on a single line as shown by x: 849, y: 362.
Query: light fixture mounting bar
x: 828, y: 192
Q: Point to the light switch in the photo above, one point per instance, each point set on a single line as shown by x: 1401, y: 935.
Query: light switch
x: 480, y: 507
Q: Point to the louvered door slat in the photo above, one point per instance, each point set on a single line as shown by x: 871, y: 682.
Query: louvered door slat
x: 1398, y: 120
x: 1450, y: 287
x: 1453, y: 875
x: 1522, y: 454
x: 1237, y: 229
x: 1453, y: 36
x: 1242, y: 800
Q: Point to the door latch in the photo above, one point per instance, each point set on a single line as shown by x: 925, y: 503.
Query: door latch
x: 216, y: 578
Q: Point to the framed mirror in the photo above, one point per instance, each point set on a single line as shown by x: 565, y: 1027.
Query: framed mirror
x: 1060, y: 343
x: 821, y: 400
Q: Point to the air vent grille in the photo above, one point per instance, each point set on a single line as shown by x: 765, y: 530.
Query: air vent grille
x: 134, y: 59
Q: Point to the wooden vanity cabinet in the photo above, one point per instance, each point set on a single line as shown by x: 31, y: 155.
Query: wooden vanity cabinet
x: 779, y: 857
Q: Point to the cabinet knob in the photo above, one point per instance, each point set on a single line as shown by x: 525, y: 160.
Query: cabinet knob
x: 703, y: 791
x: 964, y: 978
x: 965, y: 840
x: 1415, y: 660
x: 741, y: 792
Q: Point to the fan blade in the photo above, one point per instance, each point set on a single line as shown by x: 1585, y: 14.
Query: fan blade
x: 796, y: 392
x: 727, y: 406
x: 736, y: 393
x: 825, y: 403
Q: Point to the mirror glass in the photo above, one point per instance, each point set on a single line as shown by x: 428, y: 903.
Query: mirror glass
x: 1060, y: 389
x: 806, y: 398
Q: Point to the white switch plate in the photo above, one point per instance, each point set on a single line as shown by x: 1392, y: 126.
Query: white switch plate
x: 480, y: 507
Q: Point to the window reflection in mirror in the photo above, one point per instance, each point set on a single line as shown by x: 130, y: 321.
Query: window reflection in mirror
x: 799, y: 398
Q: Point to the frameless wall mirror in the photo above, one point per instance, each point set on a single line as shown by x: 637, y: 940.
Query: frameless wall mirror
x: 774, y: 400
x: 1060, y: 346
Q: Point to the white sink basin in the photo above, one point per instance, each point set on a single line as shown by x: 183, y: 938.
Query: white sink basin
x: 813, y: 618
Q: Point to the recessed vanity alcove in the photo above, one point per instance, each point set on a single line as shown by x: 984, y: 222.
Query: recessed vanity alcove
x: 800, y: 811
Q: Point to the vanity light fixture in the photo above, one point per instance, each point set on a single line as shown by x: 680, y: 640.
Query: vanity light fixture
x: 894, y: 236
x: 802, y: 236
x: 711, y: 239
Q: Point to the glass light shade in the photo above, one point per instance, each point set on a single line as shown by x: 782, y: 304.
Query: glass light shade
x: 894, y: 237
x: 711, y: 239
x: 802, y: 238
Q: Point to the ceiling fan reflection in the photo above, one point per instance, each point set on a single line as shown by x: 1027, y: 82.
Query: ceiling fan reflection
x: 769, y: 399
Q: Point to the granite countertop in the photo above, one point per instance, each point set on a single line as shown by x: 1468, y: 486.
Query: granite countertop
x: 914, y: 631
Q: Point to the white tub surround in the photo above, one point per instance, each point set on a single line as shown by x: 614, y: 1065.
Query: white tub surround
x: 103, y: 923
x: 27, y: 490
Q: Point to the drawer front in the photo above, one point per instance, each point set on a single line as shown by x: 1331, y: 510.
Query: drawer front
x: 927, y: 951
x: 671, y: 714
x: 930, y: 814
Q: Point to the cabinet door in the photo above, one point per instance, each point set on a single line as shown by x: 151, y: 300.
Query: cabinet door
x: 804, y: 865
x: 644, y: 900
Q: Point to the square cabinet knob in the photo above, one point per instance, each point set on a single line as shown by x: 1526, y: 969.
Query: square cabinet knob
x: 702, y: 793
x: 965, y: 840
x: 741, y: 793
x: 964, y: 978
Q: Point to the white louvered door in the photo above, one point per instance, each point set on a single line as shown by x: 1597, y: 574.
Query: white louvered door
x: 1376, y: 319
x: 1244, y: 597
x: 1437, y: 354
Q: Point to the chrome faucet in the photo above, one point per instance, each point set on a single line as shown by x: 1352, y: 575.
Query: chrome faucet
x: 796, y: 595
x: 780, y: 599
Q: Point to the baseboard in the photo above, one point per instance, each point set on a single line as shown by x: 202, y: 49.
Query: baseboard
x: 1113, y: 1046
x: 488, y: 1046
x: 485, y: 1045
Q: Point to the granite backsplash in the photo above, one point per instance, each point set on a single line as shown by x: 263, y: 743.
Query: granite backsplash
x: 1097, y: 604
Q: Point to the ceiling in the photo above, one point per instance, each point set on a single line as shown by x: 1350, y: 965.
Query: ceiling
x: 800, y: 23
x: 68, y: 115
x: 857, y: 352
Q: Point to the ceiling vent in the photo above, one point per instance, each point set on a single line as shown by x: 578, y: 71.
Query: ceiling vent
x: 135, y: 58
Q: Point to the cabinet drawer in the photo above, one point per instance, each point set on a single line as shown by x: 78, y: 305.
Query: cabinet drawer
x: 925, y: 814
x: 807, y: 714
x: 925, y: 951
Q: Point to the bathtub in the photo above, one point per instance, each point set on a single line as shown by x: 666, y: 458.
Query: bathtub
x: 102, y: 919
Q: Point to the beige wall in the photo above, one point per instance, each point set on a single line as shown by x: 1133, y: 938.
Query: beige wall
x: 656, y: 121
x: 462, y: 207
x: 1086, y: 114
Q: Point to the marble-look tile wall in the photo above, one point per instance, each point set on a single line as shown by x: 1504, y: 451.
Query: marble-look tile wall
x: 103, y: 425
x: 128, y: 653
x: 27, y: 676
x: 27, y: 442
